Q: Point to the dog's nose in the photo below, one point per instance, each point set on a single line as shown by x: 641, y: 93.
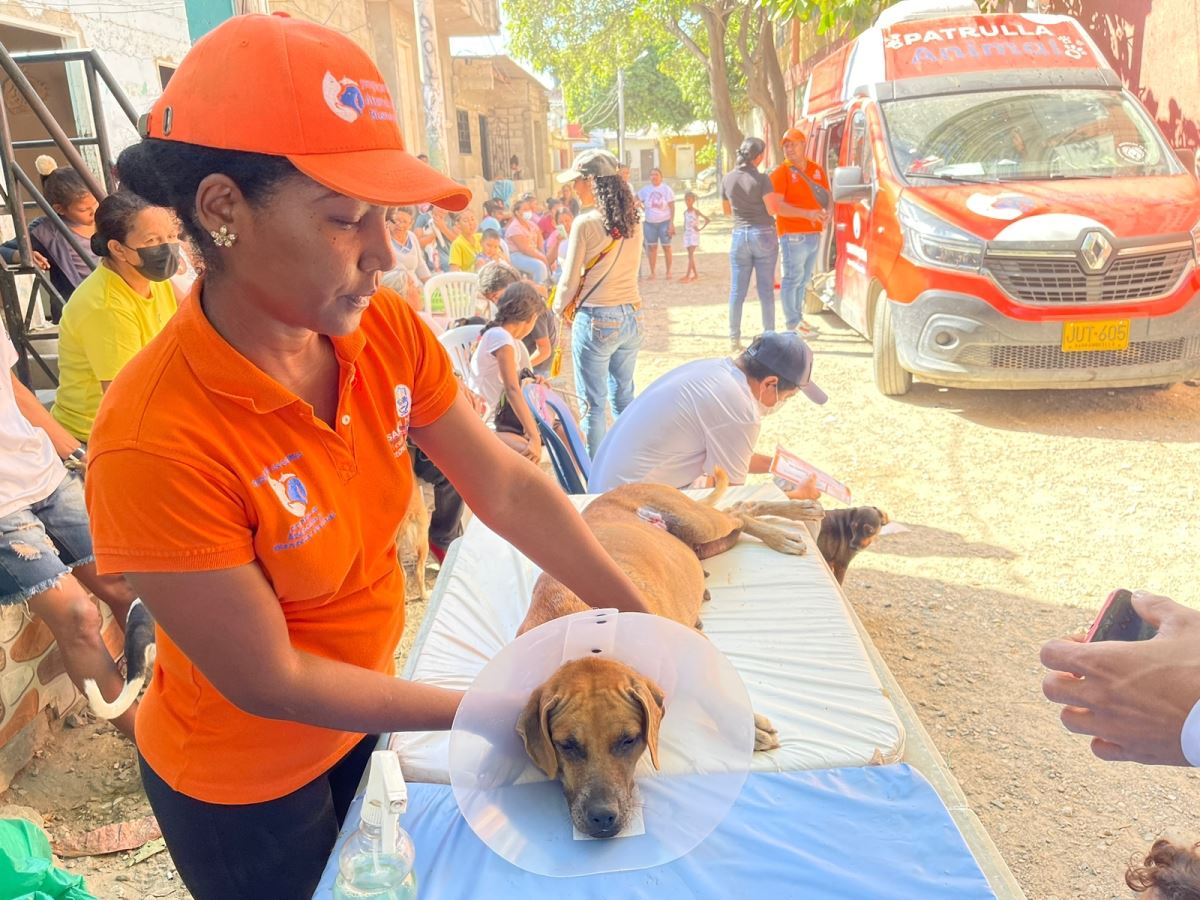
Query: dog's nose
x: 602, y: 821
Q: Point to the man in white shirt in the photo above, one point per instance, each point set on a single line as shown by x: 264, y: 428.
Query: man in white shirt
x: 1140, y: 701
x: 658, y: 202
x: 46, y: 558
x: 705, y: 414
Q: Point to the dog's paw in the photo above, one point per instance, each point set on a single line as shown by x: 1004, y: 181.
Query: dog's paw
x: 765, y: 735
x: 806, y: 510
x: 786, y: 542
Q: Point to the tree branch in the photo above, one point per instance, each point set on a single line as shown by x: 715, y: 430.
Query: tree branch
x: 686, y: 39
x: 756, y: 86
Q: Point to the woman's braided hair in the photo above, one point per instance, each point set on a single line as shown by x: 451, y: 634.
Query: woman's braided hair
x: 615, y: 203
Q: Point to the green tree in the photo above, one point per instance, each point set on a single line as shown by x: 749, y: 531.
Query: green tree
x: 838, y: 16
x: 580, y: 40
x: 651, y: 97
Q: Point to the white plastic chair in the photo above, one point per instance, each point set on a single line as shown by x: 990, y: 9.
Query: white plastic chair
x: 458, y: 343
x: 459, y: 292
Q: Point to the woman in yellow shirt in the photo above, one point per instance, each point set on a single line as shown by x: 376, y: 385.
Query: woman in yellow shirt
x: 117, y: 309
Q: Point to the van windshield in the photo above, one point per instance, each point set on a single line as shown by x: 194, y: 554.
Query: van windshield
x: 1026, y: 135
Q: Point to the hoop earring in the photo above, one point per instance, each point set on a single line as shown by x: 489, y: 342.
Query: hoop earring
x: 223, y: 237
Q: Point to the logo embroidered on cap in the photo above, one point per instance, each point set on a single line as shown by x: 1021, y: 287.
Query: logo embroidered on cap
x: 344, y: 97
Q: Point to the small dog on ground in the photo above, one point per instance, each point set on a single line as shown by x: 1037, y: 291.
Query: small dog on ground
x: 844, y: 532
x: 140, y: 651
x: 413, y: 536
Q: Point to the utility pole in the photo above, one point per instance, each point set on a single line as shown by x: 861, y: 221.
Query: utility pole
x: 433, y: 94
x: 621, y: 116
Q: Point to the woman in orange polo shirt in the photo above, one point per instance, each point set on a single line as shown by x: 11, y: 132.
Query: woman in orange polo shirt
x: 249, y: 468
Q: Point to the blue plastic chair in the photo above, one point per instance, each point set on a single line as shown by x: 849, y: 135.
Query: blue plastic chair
x: 574, y: 435
x: 561, y: 458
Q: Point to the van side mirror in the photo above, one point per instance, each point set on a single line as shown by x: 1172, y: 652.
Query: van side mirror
x: 848, y: 185
x: 1187, y: 156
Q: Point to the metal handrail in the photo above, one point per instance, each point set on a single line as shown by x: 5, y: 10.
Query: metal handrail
x: 16, y: 181
x: 48, y: 211
x: 94, y: 61
x: 39, y: 108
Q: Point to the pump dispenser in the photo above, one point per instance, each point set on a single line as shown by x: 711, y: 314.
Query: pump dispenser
x: 377, y: 861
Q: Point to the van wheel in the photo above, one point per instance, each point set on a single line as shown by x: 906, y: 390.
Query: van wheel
x: 890, y: 377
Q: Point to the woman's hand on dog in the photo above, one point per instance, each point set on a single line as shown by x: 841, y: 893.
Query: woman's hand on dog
x: 1131, y: 697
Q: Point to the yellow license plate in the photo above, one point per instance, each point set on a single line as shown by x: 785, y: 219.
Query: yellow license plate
x: 1109, y: 334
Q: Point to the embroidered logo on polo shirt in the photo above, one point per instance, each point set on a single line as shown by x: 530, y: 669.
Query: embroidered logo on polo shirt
x: 292, y: 493
x: 398, y: 437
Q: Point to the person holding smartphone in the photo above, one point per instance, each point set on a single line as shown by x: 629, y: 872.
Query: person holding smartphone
x: 1139, y: 700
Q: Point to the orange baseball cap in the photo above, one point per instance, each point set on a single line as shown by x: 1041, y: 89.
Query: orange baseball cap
x: 794, y: 134
x: 284, y: 87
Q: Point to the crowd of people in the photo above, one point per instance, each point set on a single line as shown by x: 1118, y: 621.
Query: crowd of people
x: 529, y: 234
x: 250, y: 451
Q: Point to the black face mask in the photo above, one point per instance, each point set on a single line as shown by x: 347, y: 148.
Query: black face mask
x: 159, y: 262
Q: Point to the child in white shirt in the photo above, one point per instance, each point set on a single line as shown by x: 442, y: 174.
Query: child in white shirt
x: 694, y: 222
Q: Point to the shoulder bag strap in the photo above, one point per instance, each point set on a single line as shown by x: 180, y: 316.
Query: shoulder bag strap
x: 820, y: 194
x: 576, y: 302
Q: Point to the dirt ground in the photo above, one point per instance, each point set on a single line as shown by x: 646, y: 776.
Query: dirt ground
x: 1024, y: 510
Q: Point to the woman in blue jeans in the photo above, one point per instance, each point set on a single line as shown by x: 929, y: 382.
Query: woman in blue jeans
x: 599, y: 289
x: 755, y: 247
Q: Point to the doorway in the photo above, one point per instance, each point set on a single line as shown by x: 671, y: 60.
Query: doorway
x: 685, y: 161
x: 52, y: 84
x: 645, y: 164
x: 485, y: 148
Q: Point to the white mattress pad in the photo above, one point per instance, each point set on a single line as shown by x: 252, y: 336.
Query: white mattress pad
x: 781, y: 620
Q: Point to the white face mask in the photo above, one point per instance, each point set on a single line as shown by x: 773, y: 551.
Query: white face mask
x: 763, y: 409
x: 527, y: 215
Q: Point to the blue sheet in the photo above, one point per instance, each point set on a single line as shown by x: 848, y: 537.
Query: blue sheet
x: 841, y: 834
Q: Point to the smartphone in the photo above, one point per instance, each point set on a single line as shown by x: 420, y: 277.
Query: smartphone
x: 1119, y: 621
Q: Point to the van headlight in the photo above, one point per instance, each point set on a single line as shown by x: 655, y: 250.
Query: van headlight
x: 932, y: 241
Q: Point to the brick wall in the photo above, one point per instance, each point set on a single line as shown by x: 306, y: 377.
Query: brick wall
x: 34, y: 687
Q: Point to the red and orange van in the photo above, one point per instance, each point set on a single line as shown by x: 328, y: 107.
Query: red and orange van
x: 1006, y: 215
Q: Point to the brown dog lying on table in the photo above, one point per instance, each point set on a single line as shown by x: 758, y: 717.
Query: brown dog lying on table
x: 846, y: 531
x: 590, y: 723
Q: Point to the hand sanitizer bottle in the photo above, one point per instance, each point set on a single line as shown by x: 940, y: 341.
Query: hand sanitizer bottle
x: 377, y: 861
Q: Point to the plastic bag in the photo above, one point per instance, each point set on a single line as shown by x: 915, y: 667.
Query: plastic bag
x: 27, y: 869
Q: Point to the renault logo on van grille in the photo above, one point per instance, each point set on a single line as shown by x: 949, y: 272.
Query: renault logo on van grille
x: 1095, y: 251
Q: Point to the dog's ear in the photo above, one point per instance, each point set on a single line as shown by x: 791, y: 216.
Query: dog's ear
x: 649, y: 697
x: 864, y: 527
x: 534, y: 728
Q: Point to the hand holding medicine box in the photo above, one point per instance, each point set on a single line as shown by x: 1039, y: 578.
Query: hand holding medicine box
x: 791, y: 471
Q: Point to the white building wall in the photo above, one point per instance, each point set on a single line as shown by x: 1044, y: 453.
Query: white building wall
x: 133, y: 44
